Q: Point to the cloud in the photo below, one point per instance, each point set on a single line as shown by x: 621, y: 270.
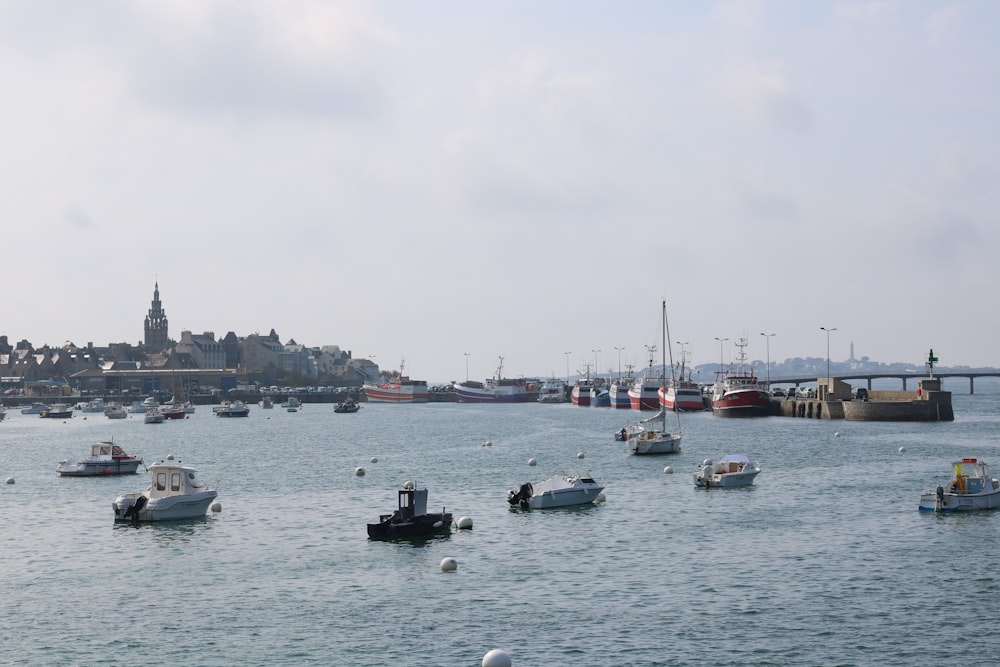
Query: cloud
x: 762, y: 90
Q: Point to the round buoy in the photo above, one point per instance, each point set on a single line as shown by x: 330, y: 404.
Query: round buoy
x: 902, y: 449
x: 374, y: 459
x: 407, y: 485
x: 579, y: 455
x: 216, y: 507
x: 836, y: 434
x: 359, y: 472
x: 488, y: 443
x: 600, y: 497
x: 170, y: 457
x: 10, y: 480
x: 706, y: 462
x: 449, y: 564
x: 496, y: 658
x: 668, y: 470
x: 532, y: 462
x: 464, y: 523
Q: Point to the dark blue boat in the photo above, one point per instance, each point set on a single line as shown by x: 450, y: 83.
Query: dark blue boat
x: 411, y: 519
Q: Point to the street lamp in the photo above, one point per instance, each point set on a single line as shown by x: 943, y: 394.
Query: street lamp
x: 619, y: 362
x: 828, y: 349
x: 767, y: 337
x: 466, y: 366
x: 567, y: 365
x: 597, y: 363
x: 721, y: 361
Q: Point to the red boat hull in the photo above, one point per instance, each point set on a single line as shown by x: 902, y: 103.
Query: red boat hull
x: 743, y: 403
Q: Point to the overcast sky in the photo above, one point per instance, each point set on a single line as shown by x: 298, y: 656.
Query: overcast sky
x: 430, y: 179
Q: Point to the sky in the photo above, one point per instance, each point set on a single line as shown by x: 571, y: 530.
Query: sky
x: 452, y: 182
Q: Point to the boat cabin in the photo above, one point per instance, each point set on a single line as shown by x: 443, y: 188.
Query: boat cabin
x: 173, y: 480
x: 412, y: 502
x: 971, y: 476
x: 106, y: 451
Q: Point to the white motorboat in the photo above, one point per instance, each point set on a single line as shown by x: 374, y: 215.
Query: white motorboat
x: 154, y: 416
x: 106, y: 458
x: 266, y: 403
x: 556, y: 491
x: 115, y: 411
x: 137, y: 408
x: 732, y: 471
x: 971, y: 488
x: 175, y: 493
x: 231, y: 409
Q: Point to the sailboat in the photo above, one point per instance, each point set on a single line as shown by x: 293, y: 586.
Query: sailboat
x: 650, y: 436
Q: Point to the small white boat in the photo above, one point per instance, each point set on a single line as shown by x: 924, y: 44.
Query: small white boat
x: 732, y: 471
x: 556, y: 491
x: 154, y: 416
x: 292, y: 404
x: 115, y: 411
x: 106, y: 458
x: 552, y: 391
x: 174, y: 494
x: 266, y: 403
x: 96, y: 405
x: 137, y: 408
x: 971, y: 488
x: 648, y: 438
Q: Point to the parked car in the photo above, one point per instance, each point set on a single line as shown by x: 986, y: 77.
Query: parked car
x: 777, y: 391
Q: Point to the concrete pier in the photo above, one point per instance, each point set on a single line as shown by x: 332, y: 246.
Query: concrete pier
x: 927, y: 404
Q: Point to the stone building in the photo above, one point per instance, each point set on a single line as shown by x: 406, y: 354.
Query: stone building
x: 156, y: 338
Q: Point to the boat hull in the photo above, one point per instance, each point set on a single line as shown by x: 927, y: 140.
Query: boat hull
x: 99, y: 468
x: 725, y: 481
x: 173, y: 508
x: 400, y: 394
x: 959, y: 502
x: 742, y: 403
x: 499, y: 395
x: 644, y: 396
x: 233, y: 413
x: 581, y: 396
x: 655, y: 443
x: 418, y: 526
x: 685, y: 399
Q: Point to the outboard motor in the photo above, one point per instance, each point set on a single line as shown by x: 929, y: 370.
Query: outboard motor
x: 134, y: 509
x: 521, y: 496
x: 940, y: 496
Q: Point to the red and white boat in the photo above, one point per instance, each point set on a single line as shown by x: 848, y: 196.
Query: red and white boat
x: 582, y: 390
x: 642, y: 394
x: 496, y: 389
x: 681, y: 394
x: 398, y: 389
x: 738, y: 393
x: 618, y: 392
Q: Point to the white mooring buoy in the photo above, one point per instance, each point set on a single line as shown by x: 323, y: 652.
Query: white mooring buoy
x: 464, y: 523
x: 579, y: 455
x: 488, y: 443
x: 902, y: 449
x: 216, y: 506
x: 668, y: 471
x: 449, y: 564
x: 10, y: 480
x: 359, y: 472
x: 496, y: 658
x: 532, y: 462
x: 374, y: 459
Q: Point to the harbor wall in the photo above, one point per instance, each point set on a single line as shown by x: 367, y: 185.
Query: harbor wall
x: 927, y: 404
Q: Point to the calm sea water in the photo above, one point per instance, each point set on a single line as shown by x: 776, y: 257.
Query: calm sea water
x: 825, y: 561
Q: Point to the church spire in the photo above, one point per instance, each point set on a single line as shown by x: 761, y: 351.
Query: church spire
x: 156, y: 338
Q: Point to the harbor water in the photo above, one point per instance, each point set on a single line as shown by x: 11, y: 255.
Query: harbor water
x: 824, y: 561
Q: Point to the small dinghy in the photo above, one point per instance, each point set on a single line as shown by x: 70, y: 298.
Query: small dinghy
x: 732, y: 471
x: 971, y: 488
x: 556, y: 491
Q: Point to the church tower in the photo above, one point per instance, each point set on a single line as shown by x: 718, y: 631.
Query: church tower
x: 156, y: 325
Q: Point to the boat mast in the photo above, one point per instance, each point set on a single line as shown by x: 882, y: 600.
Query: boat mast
x: 670, y: 351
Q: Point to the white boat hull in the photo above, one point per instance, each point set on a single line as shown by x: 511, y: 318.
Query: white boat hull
x: 655, y: 443
x: 172, y: 508
x: 559, y: 491
x: 958, y: 502
x: 98, y: 468
x: 725, y: 481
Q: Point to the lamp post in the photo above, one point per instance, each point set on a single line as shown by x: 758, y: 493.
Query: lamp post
x: 466, y: 366
x: 767, y: 337
x: 567, y: 365
x: 828, y: 330
x: 722, y: 365
x: 620, y: 349
x: 597, y: 363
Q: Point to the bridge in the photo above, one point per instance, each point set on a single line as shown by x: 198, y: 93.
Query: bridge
x: 902, y: 376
